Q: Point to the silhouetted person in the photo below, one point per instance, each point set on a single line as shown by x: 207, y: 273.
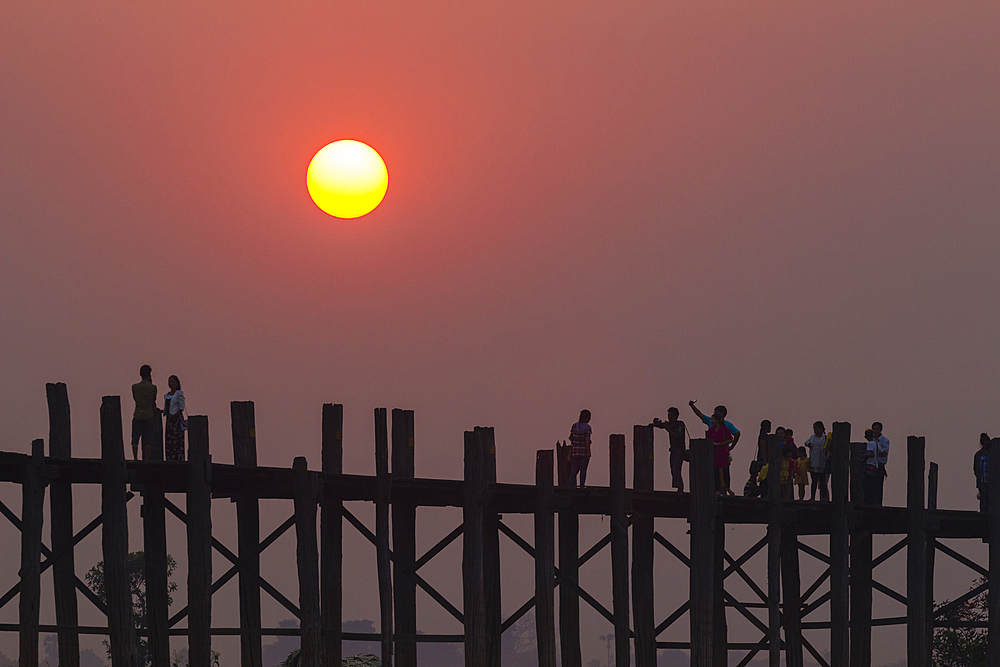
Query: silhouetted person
x: 981, y: 468
x: 819, y: 463
x: 678, y: 450
x: 173, y: 432
x: 765, y: 430
x: 722, y: 443
x: 722, y: 412
x: 143, y: 424
x: 874, y: 475
x: 579, y: 436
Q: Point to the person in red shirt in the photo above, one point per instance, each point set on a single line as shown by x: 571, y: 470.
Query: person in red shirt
x: 722, y: 441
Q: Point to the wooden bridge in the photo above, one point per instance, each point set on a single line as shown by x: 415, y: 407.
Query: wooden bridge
x: 396, y: 493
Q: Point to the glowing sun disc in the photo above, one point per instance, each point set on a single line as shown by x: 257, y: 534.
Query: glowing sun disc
x: 347, y: 178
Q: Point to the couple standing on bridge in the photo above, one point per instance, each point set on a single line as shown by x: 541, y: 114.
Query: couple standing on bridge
x: 146, y: 418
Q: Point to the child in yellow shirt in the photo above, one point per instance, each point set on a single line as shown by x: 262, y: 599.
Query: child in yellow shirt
x: 801, y: 477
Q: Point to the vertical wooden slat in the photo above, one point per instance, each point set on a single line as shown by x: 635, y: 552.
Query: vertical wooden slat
x: 619, y: 549
x: 791, y: 595
x: 383, y: 489
x: 244, y: 427
x: 154, y: 536
x: 774, y: 551
x: 114, y: 529
x: 861, y: 571
x: 307, y: 561
x: 702, y: 584
x: 473, y: 585
x: 993, y: 533
x: 642, y: 550
x: 404, y: 543
x: 916, y: 556
x: 545, y: 620
x: 199, y: 536
x: 931, y: 550
x: 32, y: 513
x: 720, y: 629
x: 840, y: 547
x: 331, y: 534
x: 491, y: 550
x: 569, y: 553
x: 61, y: 508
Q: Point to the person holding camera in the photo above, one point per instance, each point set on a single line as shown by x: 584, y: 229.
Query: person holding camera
x: 678, y: 449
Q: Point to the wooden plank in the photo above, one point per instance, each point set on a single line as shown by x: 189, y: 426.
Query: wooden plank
x: 404, y: 543
x: 791, y: 597
x: 993, y: 533
x: 383, y: 559
x: 840, y: 592
x: 643, y: 620
x: 473, y: 584
x: 114, y: 538
x: 307, y: 561
x: 619, y: 549
x: 861, y: 598
x: 545, y: 620
x: 702, y: 554
x: 199, y: 547
x: 32, y: 516
x: 720, y: 629
x: 154, y: 534
x: 491, y: 551
x: 919, y: 629
x: 247, y: 533
x: 331, y: 537
x: 774, y: 551
x: 932, y: 488
x: 61, y: 509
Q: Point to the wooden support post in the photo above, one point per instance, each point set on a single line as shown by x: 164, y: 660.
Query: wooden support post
x: 562, y: 463
x: 774, y: 551
x: 545, y: 565
x: 383, y: 491
x: 642, y: 551
x: 32, y: 513
x: 702, y: 576
x: 154, y: 532
x: 491, y: 551
x: 404, y: 543
x: 199, y: 535
x: 931, y: 550
x: 569, y: 550
x: 473, y: 584
x: 619, y: 550
x: 993, y: 534
x: 307, y: 560
x: 248, y: 534
x: 861, y: 571
x: 720, y: 629
x: 121, y: 626
x: 61, y: 508
x: 917, y: 649
x: 331, y: 535
x: 840, y: 592
x: 791, y: 595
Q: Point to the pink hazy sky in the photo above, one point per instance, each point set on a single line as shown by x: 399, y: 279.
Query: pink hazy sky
x: 788, y: 208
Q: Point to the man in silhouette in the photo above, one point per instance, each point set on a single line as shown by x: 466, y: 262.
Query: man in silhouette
x: 143, y: 424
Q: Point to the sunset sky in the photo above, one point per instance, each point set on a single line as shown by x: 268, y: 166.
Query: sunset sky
x: 790, y: 208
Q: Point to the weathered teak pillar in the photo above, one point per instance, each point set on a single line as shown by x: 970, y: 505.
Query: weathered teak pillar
x: 642, y: 550
x: 545, y: 561
x: 861, y: 571
x: 619, y: 550
x: 791, y: 595
x: 993, y: 533
x: 720, y: 630
x: 932, y: 487
x: 473, y: 583
x: 569, y: 573
x: 404, y: 543
x: 199, y: 534
x: 491, y: 551
x: 248, y: 534
x: 774, y: 551
x: 121, y: 626
x: 383, y: 490
x: 61, y: 508
x: 840, y: 592
x: 32, y: 509
x: 702, y: 577
x: 331, y: 536
x: 917, y: 649
x: 307, y: 559
x: 154, y: 540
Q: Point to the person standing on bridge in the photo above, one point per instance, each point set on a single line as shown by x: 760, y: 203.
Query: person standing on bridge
x: 579, y: 460
x: 722, y: 441
x: 678, y: 450
x: 818, y: 463
x: 981, y: 468
x: 143, y: 426
x: 173, y: 433
x: 721, y: 412
x: 875, y: 474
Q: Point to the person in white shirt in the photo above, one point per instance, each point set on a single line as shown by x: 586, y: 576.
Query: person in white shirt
x: 173, y: 432
x: 875, y: 474
x: 818, y: 460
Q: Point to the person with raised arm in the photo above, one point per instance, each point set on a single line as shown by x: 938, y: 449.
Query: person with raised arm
x: 722, y: 412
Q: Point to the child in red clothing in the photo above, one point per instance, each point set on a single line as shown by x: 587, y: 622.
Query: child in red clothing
x: 722, y: 442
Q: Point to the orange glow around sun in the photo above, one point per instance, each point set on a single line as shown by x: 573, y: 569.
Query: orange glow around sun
x: 347, y: 179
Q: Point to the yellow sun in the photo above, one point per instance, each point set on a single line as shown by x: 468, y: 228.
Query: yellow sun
x: 347, y: 178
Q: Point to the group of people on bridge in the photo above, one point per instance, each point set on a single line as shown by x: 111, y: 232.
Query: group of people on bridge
x: 147, y: 420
